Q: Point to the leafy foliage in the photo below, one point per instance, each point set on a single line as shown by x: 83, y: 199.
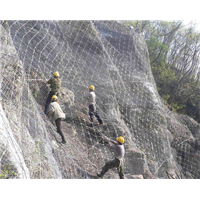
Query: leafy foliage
x: 174, y: 52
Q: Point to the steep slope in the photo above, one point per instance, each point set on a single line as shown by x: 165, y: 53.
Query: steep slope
x: 113, y: 58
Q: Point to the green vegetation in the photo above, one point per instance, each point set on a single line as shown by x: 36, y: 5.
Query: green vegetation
x: 7, y: 172
x: 174, y: 52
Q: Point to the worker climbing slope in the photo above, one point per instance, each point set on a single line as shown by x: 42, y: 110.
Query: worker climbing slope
x: 91, y: 96
x: 118, y: 162
x: 57, y: 114
x: 55, y: 84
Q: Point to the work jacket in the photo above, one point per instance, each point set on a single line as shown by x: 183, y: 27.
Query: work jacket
x: 91, y: 96
x: 55, y: 111
x: 118, y: 149
x: 55, y: 84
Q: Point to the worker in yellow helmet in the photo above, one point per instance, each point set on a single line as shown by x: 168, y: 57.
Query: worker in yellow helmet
x: 57, y: 115
x: 55, y: 84
x: 118, y: 162
x: 91, y: 96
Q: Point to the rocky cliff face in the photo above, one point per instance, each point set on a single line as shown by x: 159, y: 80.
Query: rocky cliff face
x: 113, y: 58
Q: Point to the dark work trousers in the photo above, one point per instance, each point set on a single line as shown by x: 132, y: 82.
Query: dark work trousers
x: 48, y: 101
x: 113, y: 164
x: 93, y: 113
x: 58, y: 124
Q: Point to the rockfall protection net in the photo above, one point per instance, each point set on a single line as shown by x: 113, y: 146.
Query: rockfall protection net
x: 113, y: 58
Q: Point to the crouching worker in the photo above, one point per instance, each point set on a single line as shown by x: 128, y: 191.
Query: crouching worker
x: 57, y: 115
x: 118, y: 162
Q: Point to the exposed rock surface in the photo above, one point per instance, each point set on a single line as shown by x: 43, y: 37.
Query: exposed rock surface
x: 115, y: 59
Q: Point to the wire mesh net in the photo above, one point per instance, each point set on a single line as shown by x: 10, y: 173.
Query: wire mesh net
x: 110, y: 56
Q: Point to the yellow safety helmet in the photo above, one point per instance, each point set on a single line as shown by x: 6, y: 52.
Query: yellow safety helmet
x: 56, y: 74
x: 91, y: 87
x: 54, y: 97
x: 120, y: 139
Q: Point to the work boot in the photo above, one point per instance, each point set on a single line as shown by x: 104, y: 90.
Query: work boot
x: 63, y: 141
x: 99, y: 175
x: 91, y: 125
